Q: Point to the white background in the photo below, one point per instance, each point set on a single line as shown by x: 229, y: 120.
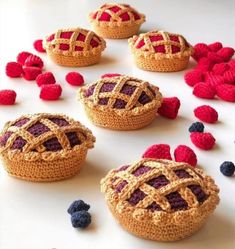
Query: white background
x: 33, y: 215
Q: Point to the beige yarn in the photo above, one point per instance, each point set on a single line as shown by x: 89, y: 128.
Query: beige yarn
x: 146, y: 58
x: 70, y: 57
x: 34, y: 163
x: 164, y: 225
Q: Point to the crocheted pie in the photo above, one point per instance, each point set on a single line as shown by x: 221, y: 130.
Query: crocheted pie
x: 75, y: 47
x: 44, y: 147
x: 160, y: 51
x: 121, y: 102
x: 116, y: 21
x: 160, y: 199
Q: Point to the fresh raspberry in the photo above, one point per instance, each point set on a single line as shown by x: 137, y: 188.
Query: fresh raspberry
x: 206, y: 113
x: 14, y: 69
x: 229, y: 77
x: 74, y: 79
x: 158, y: 151
x: 31, y: 73
x: 50, y: 92
x: 193, y: 77
x: 226, y: 53
x: 7, y: 97
x: 204, y: 91
x: 216, y: 46
x: 204, y: 141
x: 220, y: 68
x: 45, y: 79
x: 226, y: 92
x: 200, y: 51
x: 110, y: 75
x: 214, y: 58
x: 22, y: 56
x: 169, y: 107
x: 34, y: 61
x: 38, y: 46
x: 204, y: 64
x: 185, y: 154
x: 213, y: 79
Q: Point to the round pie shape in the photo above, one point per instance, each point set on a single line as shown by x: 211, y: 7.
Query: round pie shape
x: 121, y: 102
x: 116, y: 21
x: 160, y: 51
x: 44, y: 147
x: 74, y: 47
x: 160, y: 199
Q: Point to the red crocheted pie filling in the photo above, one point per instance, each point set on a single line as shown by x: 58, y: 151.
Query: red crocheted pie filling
x: 38, y: 129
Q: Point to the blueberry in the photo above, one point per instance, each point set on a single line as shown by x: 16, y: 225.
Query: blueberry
x: 81, y: 219
x: 227, y: 168
x: 78, y: 205
x: 196, y: 127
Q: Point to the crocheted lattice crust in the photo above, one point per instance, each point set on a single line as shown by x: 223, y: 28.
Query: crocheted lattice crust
x: 75, y: 42
x: 122, y: 94
x: 116, y: 15
x: 44, y: 136
x: 162, y: 191
x: 160, y: 44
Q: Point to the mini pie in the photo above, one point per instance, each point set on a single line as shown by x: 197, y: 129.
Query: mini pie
x: 44, y: 147
x: 116, y: 21
x: 121, y: 102
x: 160, y: 51
x: 159, y: 199
x: 75, y: 47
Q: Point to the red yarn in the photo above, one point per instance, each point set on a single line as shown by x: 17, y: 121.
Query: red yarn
x: 216, y: 46
x: 74, y: 79
x: 220, y: 68
x: 169, y: 107
x: 34, y: 61
x: 50, y: 92
x: 206, y: 113
x: 185, y: 154
x: 204, y: 91
x: 38, y: 46
x: 214, y: 58
x: 214, y: 79
x: 204, y: 141
x: 45, y: 79
x: 229, y: 77
x: 14, y: 69
x: 232, y: 64
x: 226, y: 92
x: 204, y: 64
x: 22, y: 56
x: 31, y: 73
x: 110, y: 75
x: 226, y: 53
x: 7, y: 97
x: 200, y: 51
x: 158, y: 151
x: 193, y: 77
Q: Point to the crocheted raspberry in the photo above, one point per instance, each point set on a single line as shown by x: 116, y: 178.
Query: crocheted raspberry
x: 169, y: 107
x: 7, y: 97
x: 196, y: 126
x: 226, y: 53
x: 74, y: 79
x: 200, y: 51
x: 81, y: 219
x: 14, y: 69
x: 204, y: 91
x: 214, y: 58
x: 110, y: 75
x: 22, y: 56
x: 45, y: 79
x: 214, y: 79
x: 232, y: 64
x: 185, y: 154
x: 34, y: 61
x: 78, y: 205
x: 50, y: 92
x: 226, y: 92
x: 38, y: 46
x: 229, y: 77
x: 206, y: 113
x: 216, y: 46
x: 220, y: 68
x: 204, y: 64
x: 204, y: 141
x: 31, y: 73
x: 158, y: 151
x: 227, y: 168
x: 193, y: 77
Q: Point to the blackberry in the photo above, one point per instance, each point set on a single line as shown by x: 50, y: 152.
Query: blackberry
x: 78, y: 205
x: 227, y: 168
x: 81, y: 219
x: 196, y: 127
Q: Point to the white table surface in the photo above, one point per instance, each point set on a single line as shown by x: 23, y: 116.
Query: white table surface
x: 33, y: 215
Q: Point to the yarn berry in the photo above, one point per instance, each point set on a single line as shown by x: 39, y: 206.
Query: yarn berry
x: 31, y: 73
x: 196, y: 127
x: 110, y: 75
x: 227, y: 168
x: 158, y: 151
x: 204, y: 141
x: 169, y: 107
x: 206, y: 114
x: 74, y: 79
x: 193, y: 77
x: 7, y: 97
x: 216, y: 46
x: 232, y: 64
x: 45, y: 79
x: 34, y: 61
x: 185, y: 154
x: 229, y: 77
x: 204, y: 64
x: 214, y: 79
x: 22, y: 56
x: 220, y: 68
x: 80, y: 219
x: 13, y: 69
x: 226, y: 53
x: 214, y: 58
x: 78, y: 205
x: 204, y: 91
x: 50, y: 92
x: 226, y: 92
x: 38, y: 46
x: 200, y: 51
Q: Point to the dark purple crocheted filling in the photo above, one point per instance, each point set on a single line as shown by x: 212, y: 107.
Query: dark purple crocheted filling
x: 107, y: 87
x: 128, y: 89
x: 18, y: 144
x: 90, y: 91
x: 4, y: 138
x: 176, y: 201
x: 21, y: 122
x: 73, y: 138
x: 158, y: 182
x: 119, y: 104
x: 38, y: 129
x: 154, y: 207
x: 59, y: 121
x: 103, y: 101
x: 198, y: 192
x: 181, y: 173
x: 52, y: 144
x: 120, y: 186
x: 141, y: 170
x: 122, y: 168
x: 144, y: 98
x: 136, y: 197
